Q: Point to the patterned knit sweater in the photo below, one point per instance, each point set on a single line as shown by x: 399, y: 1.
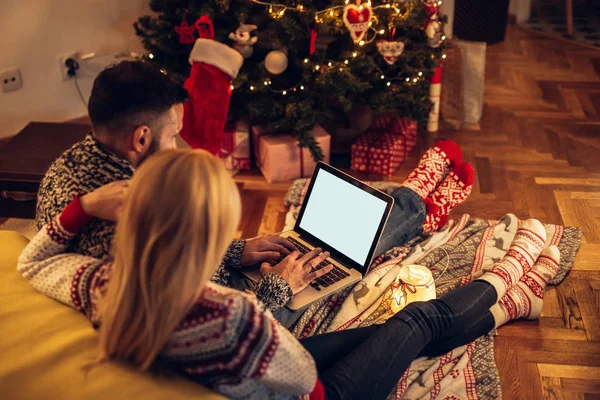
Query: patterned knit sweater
x: 88, y: 165
x: 228, y: 341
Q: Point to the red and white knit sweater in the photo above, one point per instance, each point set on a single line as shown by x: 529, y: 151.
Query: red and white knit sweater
x: 228, y: 341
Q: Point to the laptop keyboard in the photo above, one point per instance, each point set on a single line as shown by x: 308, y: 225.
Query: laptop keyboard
x: 333, y: 276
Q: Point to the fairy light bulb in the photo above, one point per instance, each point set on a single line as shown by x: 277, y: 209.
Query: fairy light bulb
x: 368, y: 4
x: 443, y: 56
x: 317, y: 67
x: 231, y: 87
x: 271, y: 9
x: 389, y: 84
x: 360, y: 8
x: 251, y: 87
x: 266, y: 83
x: 386, y: 6
x: 301, y: 87
x: 407, y: 79
x: 420, y: 73
x: 300, y: 7
x: 306, y: 61
x: 443, y: 37
x: 362, y: 43
x: 415, y: 80
x: 382, y: 76
x: 151, y: 56
x: 346, y: 62
x: 331, y: 13
x: 329, y: 64
x: 284, y: 92
x: 354, y: 54
x: 282, y: 12
x: 381, y: 32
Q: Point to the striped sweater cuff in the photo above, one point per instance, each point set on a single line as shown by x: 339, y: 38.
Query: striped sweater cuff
x: 273, y: 291
x: 73, y: 217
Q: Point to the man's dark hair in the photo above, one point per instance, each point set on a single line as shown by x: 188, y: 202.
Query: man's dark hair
x: 132, y: 93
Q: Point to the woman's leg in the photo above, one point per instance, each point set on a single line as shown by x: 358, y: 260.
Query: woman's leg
x: 477, y: 329
x: 523, y: 300
x: 392, y: 347
x: 399, y: 341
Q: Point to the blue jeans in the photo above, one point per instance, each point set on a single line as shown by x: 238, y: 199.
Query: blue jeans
x: 366, y: 363
x: 405, y: 221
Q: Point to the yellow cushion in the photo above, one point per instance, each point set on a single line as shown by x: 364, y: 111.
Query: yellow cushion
x: 44, y: 344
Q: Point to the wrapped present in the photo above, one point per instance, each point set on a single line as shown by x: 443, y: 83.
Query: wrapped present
x: 385, y: 145
x: 235, y: 149
x: 279, y: 157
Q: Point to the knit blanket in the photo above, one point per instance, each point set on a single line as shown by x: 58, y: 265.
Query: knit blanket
x: 454, y: 254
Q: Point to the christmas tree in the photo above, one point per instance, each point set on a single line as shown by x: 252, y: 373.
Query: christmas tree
x: 307, y: 60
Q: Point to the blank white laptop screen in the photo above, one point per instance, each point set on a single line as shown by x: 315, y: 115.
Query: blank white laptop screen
x: 343, y: 216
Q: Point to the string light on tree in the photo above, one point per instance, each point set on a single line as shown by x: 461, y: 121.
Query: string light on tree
x: 292, y: 19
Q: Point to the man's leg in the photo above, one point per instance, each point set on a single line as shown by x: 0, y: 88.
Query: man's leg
x: 405, y: 221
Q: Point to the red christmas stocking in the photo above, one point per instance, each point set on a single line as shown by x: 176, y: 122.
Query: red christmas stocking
x: 205, y: 114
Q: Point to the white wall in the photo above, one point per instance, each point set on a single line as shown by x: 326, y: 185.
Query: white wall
x: 34, y: 32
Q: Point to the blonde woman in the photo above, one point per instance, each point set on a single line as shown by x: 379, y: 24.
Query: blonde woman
x: 156, y: 306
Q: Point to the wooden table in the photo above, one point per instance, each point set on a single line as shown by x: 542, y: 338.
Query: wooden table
x: 25, y: 159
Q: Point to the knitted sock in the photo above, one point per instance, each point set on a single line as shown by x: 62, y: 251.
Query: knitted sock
x: 433, y: 167
x: 455, y: 188
x: 524, y: 250
x: 434, y: 219
x: 526, y: 298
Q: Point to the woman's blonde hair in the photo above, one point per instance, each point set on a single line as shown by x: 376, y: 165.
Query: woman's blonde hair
x: 181, y: 213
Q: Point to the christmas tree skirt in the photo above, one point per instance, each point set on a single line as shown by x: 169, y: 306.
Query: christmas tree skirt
x: 461, y: 248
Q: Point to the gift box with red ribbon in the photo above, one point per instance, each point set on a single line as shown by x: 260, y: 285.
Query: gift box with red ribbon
x: 235, y: 150
x: 385, y: 145
x: 279, y: 157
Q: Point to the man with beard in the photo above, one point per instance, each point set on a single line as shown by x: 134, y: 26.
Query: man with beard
x: 136, y: 111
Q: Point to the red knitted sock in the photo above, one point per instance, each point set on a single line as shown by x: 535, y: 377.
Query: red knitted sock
x: 455, y: 189
x: 435, y: 219
x: 433, y: 167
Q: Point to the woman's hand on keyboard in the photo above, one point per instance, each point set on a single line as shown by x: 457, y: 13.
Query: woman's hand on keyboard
x: 296, y: 268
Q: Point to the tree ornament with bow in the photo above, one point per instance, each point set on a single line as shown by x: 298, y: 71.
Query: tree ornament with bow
x: 357, y: 19
x: 390, y: 50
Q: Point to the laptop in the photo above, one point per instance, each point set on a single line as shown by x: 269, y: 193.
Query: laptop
x: 344, y: 216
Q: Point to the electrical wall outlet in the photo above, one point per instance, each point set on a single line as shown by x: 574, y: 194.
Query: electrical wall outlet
x: 11, y: 80
x: 62, y: 67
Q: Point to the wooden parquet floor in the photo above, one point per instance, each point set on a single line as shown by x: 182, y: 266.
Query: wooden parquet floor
x: 537, y: 154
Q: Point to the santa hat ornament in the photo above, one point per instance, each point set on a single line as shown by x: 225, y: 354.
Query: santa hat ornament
x: 357, y: 19
x: 214, y: 64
